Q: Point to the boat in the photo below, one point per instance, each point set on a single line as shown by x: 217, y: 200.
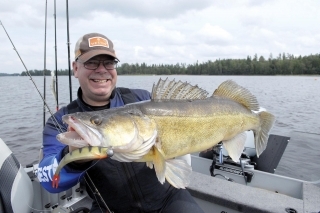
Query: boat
x: 217, y: 184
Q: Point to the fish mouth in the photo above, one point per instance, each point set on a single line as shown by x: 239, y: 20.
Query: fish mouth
x: 79, y: 134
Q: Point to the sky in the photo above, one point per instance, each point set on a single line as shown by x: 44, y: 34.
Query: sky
x: 158, y: 32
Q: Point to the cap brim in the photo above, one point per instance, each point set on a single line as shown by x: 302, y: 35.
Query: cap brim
x: 86, y: 56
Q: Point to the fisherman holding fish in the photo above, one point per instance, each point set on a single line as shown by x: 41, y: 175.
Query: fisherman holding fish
x: 122, y: 186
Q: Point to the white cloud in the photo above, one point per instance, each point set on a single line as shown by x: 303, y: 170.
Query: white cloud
x: 280, y: 45
x: 214, y: 34
x: 159, y: 32
x: 171, y: 36
x: 267, y: 33
x: 308, y: 41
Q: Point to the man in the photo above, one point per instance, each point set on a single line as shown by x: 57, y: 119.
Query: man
x: 124, y: 187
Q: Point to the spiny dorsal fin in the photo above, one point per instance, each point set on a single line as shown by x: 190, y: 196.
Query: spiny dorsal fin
x: 166, y: 89
x: 232, y: 90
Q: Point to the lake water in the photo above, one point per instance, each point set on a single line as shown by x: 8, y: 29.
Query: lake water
x: 294, y: 100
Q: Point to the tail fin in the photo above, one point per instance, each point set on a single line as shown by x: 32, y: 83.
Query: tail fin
x: 262, y: 134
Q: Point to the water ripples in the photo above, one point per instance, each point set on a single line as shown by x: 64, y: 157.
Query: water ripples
x: 294, y: 100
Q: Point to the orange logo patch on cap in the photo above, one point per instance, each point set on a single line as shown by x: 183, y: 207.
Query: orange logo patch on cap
x: 98, y: 41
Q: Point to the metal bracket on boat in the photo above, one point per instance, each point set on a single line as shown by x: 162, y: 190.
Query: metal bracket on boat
x: 32, y: 171
x: 235, y: 171
x: 219, y: 147
x: 59, y: 209
x: 213, y: 166
x: 242, y: 164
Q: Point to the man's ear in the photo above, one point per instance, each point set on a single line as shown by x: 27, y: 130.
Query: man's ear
x: 75, y: 69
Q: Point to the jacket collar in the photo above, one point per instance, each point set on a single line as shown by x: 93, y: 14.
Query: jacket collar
x: 87, y: 107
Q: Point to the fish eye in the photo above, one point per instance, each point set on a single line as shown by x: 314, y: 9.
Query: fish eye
x: 96, y: 119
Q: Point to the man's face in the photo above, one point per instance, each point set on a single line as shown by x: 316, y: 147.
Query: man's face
x: 98, y: 84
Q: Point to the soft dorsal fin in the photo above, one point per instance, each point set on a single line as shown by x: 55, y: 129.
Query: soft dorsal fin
x: 166, y: 89
x: 232, y: 90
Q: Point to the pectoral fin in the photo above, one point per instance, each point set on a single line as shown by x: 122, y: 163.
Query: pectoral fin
x: 235, y: 146
x: 159, y: 165
x: 149, y: 164
x: 175, y: 171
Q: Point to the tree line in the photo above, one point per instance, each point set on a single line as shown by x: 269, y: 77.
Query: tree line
x: 283, y: 64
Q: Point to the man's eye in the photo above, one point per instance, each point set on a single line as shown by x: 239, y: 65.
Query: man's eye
x: 92, y: 62
x: 108, y: 62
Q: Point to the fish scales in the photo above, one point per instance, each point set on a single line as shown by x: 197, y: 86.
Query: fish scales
x: 187, y: 124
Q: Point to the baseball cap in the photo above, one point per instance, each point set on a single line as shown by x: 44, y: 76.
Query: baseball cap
x: 93, y: 44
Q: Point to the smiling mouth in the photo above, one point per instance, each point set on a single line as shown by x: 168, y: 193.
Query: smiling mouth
x: 100, y: 81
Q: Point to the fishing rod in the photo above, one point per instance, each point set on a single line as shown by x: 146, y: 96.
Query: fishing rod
x: 27, y: 71
x: 43, y: 99
x: 44, y: 66
x: 68, y: 43
x: 95, y: 190
x: 55, y: 47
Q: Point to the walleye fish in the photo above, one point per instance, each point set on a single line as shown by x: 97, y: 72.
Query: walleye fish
x: 180, y: 119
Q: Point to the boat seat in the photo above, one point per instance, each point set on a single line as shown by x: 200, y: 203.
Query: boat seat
x: 16, y: 191
x: 271, y: 156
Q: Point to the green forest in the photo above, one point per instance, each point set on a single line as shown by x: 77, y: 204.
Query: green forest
x: 283, y: 64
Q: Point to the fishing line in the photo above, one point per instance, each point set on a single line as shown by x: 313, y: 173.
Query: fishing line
x: 94, y: 194
x: 44, y: 101
x: 55, y: 50
x: 57, y: 126
x: 45, y: 64
x: 95, y: 190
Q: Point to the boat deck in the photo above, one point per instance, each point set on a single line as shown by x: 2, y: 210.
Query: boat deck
x: 224, y: 196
